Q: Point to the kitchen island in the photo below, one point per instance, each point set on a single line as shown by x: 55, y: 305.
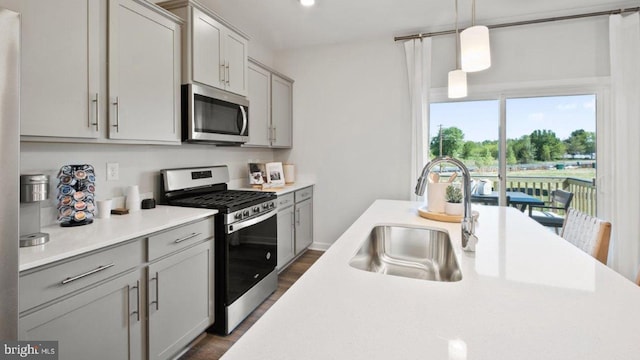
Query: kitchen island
x: 525, y: 294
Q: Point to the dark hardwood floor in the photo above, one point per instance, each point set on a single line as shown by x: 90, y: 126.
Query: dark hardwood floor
x: 214, y: 346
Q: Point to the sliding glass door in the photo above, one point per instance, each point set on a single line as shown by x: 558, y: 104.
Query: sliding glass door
x: 548, y: 142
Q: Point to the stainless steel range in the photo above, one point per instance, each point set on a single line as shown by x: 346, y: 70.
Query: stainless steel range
x: 245, y: 238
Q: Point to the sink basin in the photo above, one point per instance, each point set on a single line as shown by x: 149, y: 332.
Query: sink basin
x: 417, y: 253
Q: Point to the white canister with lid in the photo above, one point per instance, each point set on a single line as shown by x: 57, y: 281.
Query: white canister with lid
x: 289, y: 173
x: 133, y: 198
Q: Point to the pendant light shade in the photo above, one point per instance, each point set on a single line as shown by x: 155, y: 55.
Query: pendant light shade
x: 457, y: 84
x: 474, y: 49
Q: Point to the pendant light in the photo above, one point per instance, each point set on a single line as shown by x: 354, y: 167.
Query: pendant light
x: 474, y: 45
x: 457, y: 87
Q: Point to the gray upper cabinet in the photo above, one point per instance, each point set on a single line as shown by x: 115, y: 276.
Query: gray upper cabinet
x: 63, y: 97
x: 214, y: 52
x: 144, y: 73
x: 60, y: 92
x: 270, y: 98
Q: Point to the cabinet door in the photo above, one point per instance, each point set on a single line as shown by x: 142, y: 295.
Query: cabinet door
x: 144, y: 73
x: 281, y: 111
x: 260, y: 106
x: 236, y: 56
x: 208, y: 64
x: 304, y: 225
x: 59, y: 67
x: 285, y: 236
x: 101, y: 323
x: 180, y: 299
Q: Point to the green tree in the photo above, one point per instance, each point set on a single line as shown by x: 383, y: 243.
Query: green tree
x: 546, y: 145
x: 523, y: 149
x: 581, y: 142
x: 452, y: 142
x: 511, y: 155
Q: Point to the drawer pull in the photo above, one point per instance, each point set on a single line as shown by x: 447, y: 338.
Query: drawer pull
x: 137, y: 312
x: 187, y: 237
x: 98, y: 269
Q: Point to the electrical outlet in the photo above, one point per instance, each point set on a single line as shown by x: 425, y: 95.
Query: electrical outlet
x: 113, y: 171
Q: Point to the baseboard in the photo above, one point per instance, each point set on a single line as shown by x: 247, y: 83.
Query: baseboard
x: 319, y: 246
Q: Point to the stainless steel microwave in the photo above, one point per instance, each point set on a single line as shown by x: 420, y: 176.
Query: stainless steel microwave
x: 214, y: 116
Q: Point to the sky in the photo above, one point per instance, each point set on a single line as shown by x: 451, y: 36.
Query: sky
x: 479, y: 120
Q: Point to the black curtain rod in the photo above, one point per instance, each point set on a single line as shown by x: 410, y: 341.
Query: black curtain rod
x: 519, y: 23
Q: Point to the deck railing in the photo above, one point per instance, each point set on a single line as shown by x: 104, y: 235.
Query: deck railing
x: 584, y: 191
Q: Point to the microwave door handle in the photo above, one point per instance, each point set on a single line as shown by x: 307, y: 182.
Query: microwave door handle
x: 244, y: 120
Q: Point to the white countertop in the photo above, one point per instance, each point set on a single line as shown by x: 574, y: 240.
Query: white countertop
x: 525, y: 294
x: 279, y: 191
x: 65, y: 242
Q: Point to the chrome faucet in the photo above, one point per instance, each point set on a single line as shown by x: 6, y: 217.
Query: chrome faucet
x: 469, y: 239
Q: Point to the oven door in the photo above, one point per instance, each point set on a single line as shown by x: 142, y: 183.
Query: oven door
x: 215, y: 116
x: 251, y: 253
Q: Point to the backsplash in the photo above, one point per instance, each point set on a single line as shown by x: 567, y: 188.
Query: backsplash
x: 138, y: 165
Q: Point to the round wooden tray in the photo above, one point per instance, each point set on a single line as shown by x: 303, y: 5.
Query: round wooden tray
x: 423, y: 212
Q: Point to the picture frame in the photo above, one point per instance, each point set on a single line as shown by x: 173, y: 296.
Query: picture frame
x: 275, y: 174
x: 257, y: 174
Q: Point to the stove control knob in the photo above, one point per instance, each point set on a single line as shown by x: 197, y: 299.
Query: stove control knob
x: 265, y: 206
x: 246, y: 213
x: 256, y: 209
x: 272, y: 205
x: 238, y: 216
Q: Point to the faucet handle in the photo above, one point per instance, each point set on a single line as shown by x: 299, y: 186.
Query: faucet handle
x: 471, y: 241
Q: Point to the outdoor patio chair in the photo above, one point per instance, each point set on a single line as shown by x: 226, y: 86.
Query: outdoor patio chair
x: 549, y: 215
x: 588, y: 233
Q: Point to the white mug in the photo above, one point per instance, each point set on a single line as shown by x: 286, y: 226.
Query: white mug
x: 104, y: 208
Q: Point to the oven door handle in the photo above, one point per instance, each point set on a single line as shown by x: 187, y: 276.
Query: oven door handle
x: 241, y: 225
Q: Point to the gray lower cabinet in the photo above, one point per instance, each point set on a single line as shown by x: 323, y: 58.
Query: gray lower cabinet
x: 145, y: 298
x: 295, y: 224
x: 180, y: 299
x: 286, y: 228
x: 103, y: 322
x: 304, y: 225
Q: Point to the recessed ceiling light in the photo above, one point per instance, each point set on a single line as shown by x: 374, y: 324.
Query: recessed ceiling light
x: 307, y: 2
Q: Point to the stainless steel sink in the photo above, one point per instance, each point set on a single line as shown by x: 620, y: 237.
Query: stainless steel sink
x: 417, y: 253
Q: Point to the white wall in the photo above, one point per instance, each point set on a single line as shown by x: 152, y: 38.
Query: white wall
x: 552, y: 51
x: 351, y: 128
x: 139, y: 164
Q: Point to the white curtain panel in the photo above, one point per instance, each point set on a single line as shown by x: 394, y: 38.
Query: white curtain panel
x: 418, y: 54
x: 621, y: 162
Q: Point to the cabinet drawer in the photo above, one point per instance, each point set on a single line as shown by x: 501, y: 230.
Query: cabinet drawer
x: 285, y: 200
x: 178, y: 238
x: 304, y: 194
x: 51, y: 282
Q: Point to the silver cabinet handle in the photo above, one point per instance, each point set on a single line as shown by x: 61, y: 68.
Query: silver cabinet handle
x: 157, y: 300
x: 274, y: 134
x: 269, y: 133
x: 137, y: 312
x: 91, y: 272
x: 222, y: 74
x: 117, y: 108
x: 298, y: 217
x: 228, y: 74
x: 96, y: 101
x: 192, y: 235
